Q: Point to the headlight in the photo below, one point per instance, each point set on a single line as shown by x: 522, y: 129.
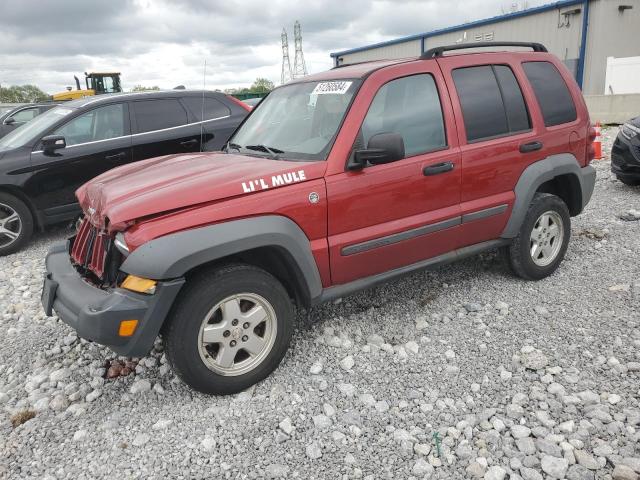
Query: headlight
x: 139, y: 284
x: 629, y: 130
x: 120, y: 244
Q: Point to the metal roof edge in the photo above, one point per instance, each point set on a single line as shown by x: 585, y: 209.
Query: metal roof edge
x: 475, y: 23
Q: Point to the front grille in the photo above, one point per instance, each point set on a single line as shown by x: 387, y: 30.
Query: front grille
x: 90, y: 249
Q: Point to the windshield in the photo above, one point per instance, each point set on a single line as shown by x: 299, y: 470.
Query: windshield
x: 35, y: 128
x: 296, y: 122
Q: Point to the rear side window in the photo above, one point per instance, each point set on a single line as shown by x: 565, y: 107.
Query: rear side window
x: 158, y: 114
x: 411, y: 107
x: 492, y: 102
x: 212, y: 108
x: 552, y: 93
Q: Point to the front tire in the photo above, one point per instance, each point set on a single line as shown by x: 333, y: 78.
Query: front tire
x: 543, y: 238
x: 229, y: 330
x: 16, y: 224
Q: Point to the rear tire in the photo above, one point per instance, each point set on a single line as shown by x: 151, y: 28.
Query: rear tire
x: 630, y: 181
x: 229, y: 329
x: 543, y: 238
x: 16, y: 224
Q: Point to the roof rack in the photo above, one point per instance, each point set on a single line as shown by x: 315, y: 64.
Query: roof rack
x: 438, y: 51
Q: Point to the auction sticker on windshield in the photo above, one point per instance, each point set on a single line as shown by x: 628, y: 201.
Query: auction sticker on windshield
x: 324, y: 88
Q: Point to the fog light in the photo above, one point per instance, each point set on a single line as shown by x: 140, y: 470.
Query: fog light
x: 139, y: 284
x: 127, y: 328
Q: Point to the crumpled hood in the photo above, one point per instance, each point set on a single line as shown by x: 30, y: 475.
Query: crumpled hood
x: 167, y: 183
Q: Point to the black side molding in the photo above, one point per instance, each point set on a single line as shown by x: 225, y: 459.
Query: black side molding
x: 438, y: 51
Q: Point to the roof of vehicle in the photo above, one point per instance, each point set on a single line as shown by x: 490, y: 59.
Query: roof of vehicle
x: 151, y: 94
x: 362, y: 69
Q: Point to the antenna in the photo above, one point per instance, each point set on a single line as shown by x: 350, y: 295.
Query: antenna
x: 299, y: 67
x: 286, y: 64
x: 204, y: 83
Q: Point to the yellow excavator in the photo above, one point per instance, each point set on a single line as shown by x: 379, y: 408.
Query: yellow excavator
x: 97, y: 83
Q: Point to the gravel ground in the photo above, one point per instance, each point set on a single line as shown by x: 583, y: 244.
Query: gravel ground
x: 464, y: 372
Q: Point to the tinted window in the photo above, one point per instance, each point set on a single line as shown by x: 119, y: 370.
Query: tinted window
x: 158, y: 114
x: 491, y: 100
x: 411, y: 107
x: 212, y: 108
x: 99, y: 124
x: 25, y: 115
x: 515, y: 107
x: 552, y: 93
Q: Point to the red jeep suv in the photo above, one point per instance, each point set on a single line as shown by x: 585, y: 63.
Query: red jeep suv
x: 334, y: 183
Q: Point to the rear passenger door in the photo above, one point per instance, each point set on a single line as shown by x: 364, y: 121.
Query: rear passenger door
x: 498, y: 138
x: 214, y: 117
x: 160, y: 127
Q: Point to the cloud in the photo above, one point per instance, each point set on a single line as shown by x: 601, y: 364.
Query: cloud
x: 165, y: 42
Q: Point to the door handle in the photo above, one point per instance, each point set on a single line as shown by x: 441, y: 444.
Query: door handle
x: 530, y: 147
x: 115, y: 156
x: 437, y: 168
x: 189, y: 143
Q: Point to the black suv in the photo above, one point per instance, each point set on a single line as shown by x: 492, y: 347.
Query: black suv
x: 625, y: 154
x: 45, y: 161
x: 21, y: 114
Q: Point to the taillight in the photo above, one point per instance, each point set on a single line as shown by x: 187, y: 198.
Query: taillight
x: 591, y: 150
x: 239, y: 102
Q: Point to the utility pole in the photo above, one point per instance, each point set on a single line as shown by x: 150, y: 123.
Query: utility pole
x: 286, y: 64
x: 299, y: 67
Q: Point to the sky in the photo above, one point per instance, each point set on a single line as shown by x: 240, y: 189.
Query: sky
x: 166, y: 42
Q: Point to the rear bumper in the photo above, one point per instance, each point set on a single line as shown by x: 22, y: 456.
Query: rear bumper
x: 96, y: 314
x: 587, y: 183
x: 625, y: 158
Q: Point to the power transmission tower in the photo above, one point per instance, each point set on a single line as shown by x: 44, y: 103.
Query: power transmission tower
x: 299, y: 67
x: 286, y: 64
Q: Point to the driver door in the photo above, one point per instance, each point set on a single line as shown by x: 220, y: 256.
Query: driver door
x: 97, y: 141
x: 384, y: 217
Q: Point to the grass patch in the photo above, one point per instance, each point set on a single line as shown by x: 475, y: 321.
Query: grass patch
x: 21, y: 417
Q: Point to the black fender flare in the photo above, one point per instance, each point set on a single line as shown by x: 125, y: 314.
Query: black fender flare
x: 173, y: 255
x: 540, y: 172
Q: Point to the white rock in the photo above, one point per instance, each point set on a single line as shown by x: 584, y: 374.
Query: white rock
x: 140, y: 386
x: 382, y: 406
x: 554, y: 466
x: 412, y: 347
x: 321, y: 422
x: 141, y: 439
x: 422, y: 469
x: 208, y: 443
x: 520, y: 431
x: 347, y: 363
x: 316, y: 368
x: 347, y: 389
x: 94, y: 395
x: 422, y: 449
x: 162, y: 424
x: 286, y: 426
x: 614, y: 398
x: 367, y: 399
x: 450, y: 355
x: 495, y: 472
x: 80, y: 435
x: 313, y: 451
x: 59, y: 375
x: 328, y: 410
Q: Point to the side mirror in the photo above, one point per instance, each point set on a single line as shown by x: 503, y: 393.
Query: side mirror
x: 51, y: 143
x: 382, y: 148
x: 10, y: 121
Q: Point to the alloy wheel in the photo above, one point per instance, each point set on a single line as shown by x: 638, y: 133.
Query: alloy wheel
x: 237, y: 334
x: 10, y: 225
x: 546, y: 238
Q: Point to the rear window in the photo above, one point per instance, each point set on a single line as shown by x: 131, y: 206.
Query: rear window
x: 212, y: 108
x: 158, y: 114
x: 492, y: 102
x: 552, y: 93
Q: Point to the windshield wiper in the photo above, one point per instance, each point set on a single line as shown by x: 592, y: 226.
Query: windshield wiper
x: 235, y: 146
x: 263, y: 148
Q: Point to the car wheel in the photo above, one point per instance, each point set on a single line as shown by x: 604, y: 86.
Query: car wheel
x: 631, y: 181
x: 543, y: 238
x: 16, y: 224
x: 230, y: 329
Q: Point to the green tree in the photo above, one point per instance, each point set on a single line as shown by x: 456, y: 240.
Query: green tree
x: 22, y: 94
x: 142, y: 88
x: 261, y: 85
